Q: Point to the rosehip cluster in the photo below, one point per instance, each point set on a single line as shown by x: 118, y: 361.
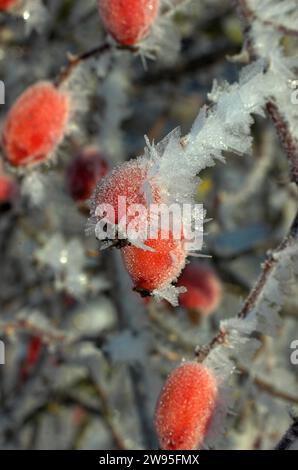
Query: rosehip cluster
x: 128, y: 21
x: 35, y: 125
x: 160, y: 265
x: 185, y: 407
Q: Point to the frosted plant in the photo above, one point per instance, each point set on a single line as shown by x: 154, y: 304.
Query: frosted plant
x: 82, y: 309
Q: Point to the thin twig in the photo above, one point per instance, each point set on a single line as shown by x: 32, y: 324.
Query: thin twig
x: 108, y: 416
x: 290, y: 437
x: 250, y: 16
x: 289, y: 143
x: 269, y: 388
x: 75, y: 61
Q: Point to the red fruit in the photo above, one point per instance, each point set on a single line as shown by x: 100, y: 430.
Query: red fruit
x: 203, y: 289
x: 6, y: 5
x: 8, y: 189
x: 85, y: 170
x: 32, y: 355
x: 36, y: 124
x: 185, y: 407
x: 125, y: 181
x: 128, y: 21
x: 155, y: 270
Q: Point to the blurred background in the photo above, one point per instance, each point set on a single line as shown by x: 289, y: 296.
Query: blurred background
x: 85, y: 356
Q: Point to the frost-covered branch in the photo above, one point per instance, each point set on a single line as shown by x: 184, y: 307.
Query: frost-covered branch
x: 258, y: 292
x: 48, y: 335
x: 269, y: 13
x: 74, y: 61
x: 264, y: 34
x: 288, y: 141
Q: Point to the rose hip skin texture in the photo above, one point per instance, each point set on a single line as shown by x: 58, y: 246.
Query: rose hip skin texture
x: 204, y: 289
x: 84, y: 172
x: 124, y: 181
x: 6, y: 5
x: 185, y: 407
x: 128, y: 21
x: 155, y: 270
x: 35, y: 124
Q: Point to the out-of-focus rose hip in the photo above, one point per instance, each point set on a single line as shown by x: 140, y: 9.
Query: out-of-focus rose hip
x: 185, y: 407
x: 8, y: 189
x: 151, y: 270
x: 6, y: 5
x: 128, y: 21
x: 204, y: 290
x: 36, y: 124
x: 85, y: 171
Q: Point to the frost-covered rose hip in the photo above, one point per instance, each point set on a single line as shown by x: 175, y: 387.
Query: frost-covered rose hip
x: 128, y: 21
x: 185, y: 407
x: 125, y: 181
x: 204, y: 289
x: 84, y: 172
x: 35, y: 125
x: 151, y: 270
x: 6, y: 5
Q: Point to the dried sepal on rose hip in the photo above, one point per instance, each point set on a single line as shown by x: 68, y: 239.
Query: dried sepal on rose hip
x: 128, y: 21
x: 186, y: 406
x: 86, y: 170
x: 36, y: 124
x: 204, y: 289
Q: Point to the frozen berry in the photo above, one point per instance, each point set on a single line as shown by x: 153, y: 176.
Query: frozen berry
x: 8, y: 189
x: 125, y: 181
x: 185, y: 407
x: 6, y: 5
x: 128, y: 21
x: 35, y: 125
x: 156, y: 269
x: 85, y: 170
x: 203, y: 289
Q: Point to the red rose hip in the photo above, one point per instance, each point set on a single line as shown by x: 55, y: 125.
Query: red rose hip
x: 35, y: 125
x: 8, y: 189
x: 151, y: 270
x: 126, y: 182
x: 185, y: 407
x: 6, y: 5
x: 204, y: 289
x: 84, y: 172
x: 128, y: 21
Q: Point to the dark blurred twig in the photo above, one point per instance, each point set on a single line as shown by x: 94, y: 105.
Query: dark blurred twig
x: 290, y: 437
x: 209, y: 58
